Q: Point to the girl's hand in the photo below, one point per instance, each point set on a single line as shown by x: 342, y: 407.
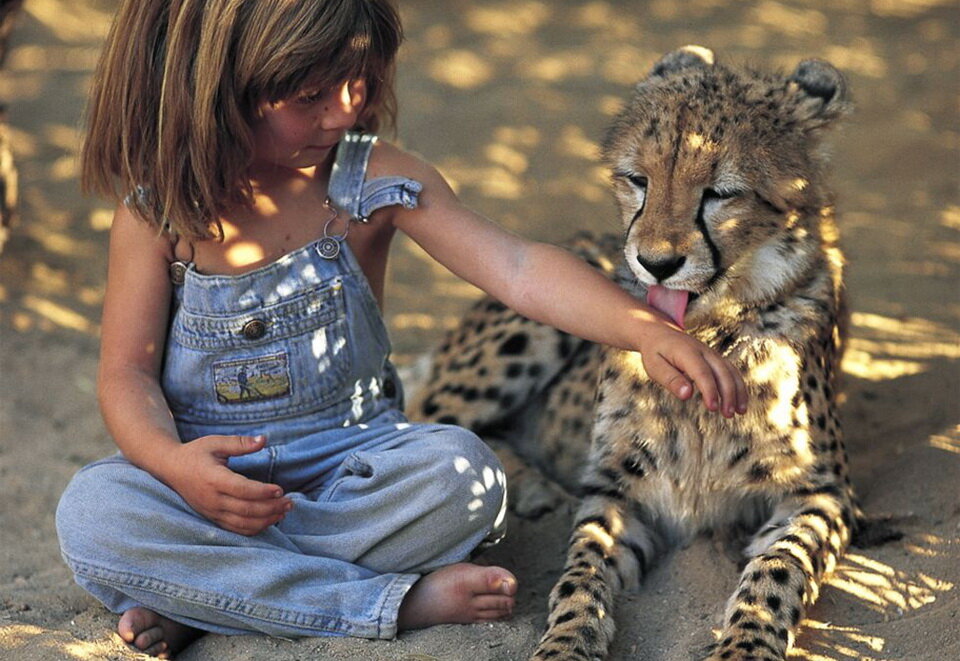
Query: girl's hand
x: 199, y: 473
x: 672, y: 358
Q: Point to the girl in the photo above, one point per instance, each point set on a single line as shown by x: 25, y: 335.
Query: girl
x: 267, y: 480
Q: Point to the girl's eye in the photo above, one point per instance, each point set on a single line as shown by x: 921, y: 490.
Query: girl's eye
x: 310, y: 97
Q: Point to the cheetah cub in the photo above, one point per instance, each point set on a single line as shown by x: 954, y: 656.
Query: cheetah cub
x: 719, y: 178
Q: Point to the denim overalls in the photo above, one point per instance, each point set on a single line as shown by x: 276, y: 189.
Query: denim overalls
x: 296, y: 350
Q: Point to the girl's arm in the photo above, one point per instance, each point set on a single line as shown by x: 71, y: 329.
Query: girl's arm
x: 132, y: 340
x: 134, y: 327
x: 547, y: 284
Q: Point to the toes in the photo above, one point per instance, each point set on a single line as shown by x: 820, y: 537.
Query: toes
x: 489, y: 602
x: 492, y: 616
x: 502, y: 583
x: 133, y: 622
x: 148, y: 638
x: 158, y: 650
x: 490, y: 606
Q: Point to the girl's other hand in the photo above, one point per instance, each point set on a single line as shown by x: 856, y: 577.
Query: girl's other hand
x: 674, y: 359
x: 199, y: 473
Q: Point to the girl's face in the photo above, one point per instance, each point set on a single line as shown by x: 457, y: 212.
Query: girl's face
x: 302, y: 131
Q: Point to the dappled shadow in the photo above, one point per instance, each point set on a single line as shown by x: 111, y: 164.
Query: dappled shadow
x: 886, y: 591
x: 29, y: 641
x: 551, y: 75
x: 510, y: 100
x: 51, y: 272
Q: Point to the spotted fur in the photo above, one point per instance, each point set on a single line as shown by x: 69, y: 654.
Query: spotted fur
x: 719, y: 178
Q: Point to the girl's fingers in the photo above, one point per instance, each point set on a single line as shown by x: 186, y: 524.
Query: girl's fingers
x: 726, y: 382
x: 702, y: 374
x: 246, y: 526
x: 255, y: 509
x: 238, y: 486
x: 235, y: 446
x: 720, y: 384
x: 732, y: 387
x: 663, y: 372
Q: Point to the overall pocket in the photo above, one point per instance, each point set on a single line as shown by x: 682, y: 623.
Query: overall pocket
x: 269, y: 362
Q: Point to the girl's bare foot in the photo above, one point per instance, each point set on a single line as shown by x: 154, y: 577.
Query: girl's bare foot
x: 458, y: 594
x: 155, y: 634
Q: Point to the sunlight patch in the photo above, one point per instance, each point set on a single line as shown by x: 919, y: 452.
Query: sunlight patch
x: 488, y: 477
x: 948, y: 442
x: 885, y: 589
x: 461, y: 69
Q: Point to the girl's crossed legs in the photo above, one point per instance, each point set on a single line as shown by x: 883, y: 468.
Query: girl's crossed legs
x: 347, y: 560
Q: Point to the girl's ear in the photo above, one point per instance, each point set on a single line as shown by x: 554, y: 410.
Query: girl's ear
x: 683, y: 58
x: 820, y: 92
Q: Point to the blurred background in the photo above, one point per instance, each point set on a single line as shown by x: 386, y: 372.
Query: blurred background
x: 509, y: 99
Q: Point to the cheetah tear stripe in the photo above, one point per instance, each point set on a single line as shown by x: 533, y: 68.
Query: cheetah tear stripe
x: 672, y: 302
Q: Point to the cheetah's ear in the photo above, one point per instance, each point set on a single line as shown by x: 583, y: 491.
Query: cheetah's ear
x: 821, y: 93
x: 683, y: 58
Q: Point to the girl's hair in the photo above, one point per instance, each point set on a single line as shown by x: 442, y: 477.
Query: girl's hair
x: 179, y: 83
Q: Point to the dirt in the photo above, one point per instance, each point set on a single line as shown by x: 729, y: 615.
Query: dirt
x: 509, y: 99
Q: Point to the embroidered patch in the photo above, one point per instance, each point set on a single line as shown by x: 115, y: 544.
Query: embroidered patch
x: 252, y: 379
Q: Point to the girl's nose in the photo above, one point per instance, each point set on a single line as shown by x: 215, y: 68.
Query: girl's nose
x: 342, y: 110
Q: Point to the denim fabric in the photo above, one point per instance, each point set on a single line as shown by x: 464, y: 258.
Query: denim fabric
x: 296, y: 350
x: 358, y: 198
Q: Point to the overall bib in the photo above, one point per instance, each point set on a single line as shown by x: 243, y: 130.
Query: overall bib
x: 297, y: 351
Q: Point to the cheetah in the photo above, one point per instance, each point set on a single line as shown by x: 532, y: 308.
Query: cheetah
x: 719, y: 176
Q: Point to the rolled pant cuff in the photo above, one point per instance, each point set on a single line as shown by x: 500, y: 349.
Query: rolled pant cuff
x: 393, y: 596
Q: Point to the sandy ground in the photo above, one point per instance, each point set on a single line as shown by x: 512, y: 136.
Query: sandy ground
x: 509, y: 99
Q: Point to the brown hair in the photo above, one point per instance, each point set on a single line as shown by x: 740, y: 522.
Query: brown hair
x: 179, y: 82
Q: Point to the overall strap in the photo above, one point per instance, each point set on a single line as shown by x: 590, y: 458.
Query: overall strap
x: 351, y: 194
x: 345, y: 189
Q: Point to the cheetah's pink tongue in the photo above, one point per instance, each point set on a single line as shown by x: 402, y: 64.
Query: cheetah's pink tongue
x: 672, y: 302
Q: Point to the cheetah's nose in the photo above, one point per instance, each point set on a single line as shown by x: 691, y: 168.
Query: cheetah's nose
x: 662, y: 269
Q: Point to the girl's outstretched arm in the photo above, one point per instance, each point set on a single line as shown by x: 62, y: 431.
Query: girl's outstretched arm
x: 549, y: 285
x: 134, y: 329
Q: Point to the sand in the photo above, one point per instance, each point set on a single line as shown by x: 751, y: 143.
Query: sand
x: 509, y: 99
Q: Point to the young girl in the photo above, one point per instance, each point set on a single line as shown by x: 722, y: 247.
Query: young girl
x: 267, y: 480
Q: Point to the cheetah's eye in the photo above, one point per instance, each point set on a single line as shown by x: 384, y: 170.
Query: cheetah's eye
x: 639, y: 185
x: 638, y: 181
x: 722, y: 194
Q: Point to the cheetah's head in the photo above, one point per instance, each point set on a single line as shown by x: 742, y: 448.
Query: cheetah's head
x: 718, y: 175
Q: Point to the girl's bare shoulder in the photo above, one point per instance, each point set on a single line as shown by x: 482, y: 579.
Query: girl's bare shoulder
x: 134, y: 235
x: 388, y: 159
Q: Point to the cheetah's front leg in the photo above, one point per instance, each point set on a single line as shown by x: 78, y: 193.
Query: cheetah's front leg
x: 791, y: 556
x: 609, y: 550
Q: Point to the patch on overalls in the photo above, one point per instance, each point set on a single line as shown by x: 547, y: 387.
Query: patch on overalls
x: 252, y: 379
